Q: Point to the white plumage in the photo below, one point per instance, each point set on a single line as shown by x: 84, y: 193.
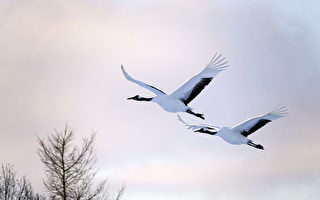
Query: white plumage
x: 178, y: 101
x: 238, y: 134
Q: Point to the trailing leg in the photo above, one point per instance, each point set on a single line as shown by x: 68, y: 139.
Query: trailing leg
x: 195, y: 114
x: 258, y: 146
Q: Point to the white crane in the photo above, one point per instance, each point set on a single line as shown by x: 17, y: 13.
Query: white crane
x: 238, y: 134
x: 178, y: 101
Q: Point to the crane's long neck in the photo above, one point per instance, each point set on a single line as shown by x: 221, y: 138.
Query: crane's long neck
x: 206, y: 131
x: 144, y: 99
x: 139, y: 98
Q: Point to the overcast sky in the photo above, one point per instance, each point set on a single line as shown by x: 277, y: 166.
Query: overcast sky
x: 60, y: 62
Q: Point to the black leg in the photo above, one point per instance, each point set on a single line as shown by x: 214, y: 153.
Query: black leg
x: 195, y: 114
x: 258, y: 146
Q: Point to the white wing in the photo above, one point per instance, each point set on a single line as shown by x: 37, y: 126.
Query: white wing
x: 255, y: 123
x: 148, y: 87
x: 199, y: 126
x: 187, y: 92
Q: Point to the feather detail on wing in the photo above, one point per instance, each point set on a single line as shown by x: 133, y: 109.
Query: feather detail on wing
x: 187, y: 92
x: 251, y: 125
x: 148, y: 87
x: 196, y: 127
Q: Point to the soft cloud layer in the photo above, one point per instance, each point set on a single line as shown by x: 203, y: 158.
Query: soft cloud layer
x: 60, y: 61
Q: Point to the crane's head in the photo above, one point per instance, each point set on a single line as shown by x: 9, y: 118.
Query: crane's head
x: 139, y: 98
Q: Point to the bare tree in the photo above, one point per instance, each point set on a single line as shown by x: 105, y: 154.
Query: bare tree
x: 13, y: 189
x: 70, y: 170
x: 8, y: 184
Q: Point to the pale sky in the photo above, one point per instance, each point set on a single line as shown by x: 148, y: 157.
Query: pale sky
x: 60, y: 62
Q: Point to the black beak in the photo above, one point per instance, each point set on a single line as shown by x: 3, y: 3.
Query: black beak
x: 130, y: 98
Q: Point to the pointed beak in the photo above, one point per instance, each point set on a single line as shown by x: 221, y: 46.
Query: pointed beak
x: 130, y: 98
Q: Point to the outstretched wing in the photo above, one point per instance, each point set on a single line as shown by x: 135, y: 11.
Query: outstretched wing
x: 198, y: 126
x: 255, y: 123
x: 187, y: 92
x: 148, y: 87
